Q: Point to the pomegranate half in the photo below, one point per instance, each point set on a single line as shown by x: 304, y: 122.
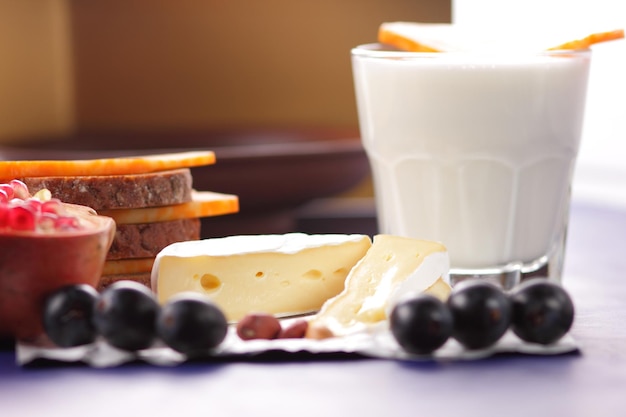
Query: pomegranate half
x: 33, y: 264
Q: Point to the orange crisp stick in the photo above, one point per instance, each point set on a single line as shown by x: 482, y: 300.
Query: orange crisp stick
x: 429, y: 37
x: 443, y: 37
x: 389, y: 37
x: 106, y: 166
x: 592, y: 39
x: 203, y: 204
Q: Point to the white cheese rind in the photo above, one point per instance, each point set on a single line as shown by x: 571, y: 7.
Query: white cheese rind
x: 392, y: 268
x: 278, y: 274
x: 433, y: 267
x: 244, y: 244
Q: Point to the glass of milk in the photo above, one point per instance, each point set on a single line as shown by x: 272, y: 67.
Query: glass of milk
x: 475, y: 150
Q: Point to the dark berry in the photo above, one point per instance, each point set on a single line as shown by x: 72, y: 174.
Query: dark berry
x: 191, y: 324
x: 67, y: 315
x: 481, y: 312
x: 421, y: 324
x: 125, y: 315
x: 543, y: 311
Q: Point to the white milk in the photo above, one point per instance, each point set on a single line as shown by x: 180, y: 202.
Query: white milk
x: 475, y: 152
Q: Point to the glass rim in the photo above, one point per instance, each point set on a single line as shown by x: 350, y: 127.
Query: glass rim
x: 378, y: 50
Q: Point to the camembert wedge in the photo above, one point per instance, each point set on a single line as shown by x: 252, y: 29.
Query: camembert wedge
x: 394, y: 266
x: 288, y: 274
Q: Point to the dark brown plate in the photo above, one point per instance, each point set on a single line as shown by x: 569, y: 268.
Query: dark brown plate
x: 273, y: 171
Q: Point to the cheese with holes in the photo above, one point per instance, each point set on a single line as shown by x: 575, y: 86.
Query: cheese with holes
x: 288, y: 274
x: 393, y: 267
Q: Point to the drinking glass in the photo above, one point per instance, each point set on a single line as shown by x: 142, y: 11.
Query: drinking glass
x: 475, y: 150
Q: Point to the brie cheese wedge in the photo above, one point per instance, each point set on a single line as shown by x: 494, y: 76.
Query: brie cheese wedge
x: 392, y: 268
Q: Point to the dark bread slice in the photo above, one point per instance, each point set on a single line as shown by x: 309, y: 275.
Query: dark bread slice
x: 142, y: 278
x: 103, y: 192
x: 146, y: 240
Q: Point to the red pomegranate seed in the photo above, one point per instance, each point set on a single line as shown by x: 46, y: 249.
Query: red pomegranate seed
x: 8, y: 190
x: 51, y: 206
x: 47, y: 221
x: 20, y: 189
x: 34, y: 205
x: 21, y: 218
x: 66, y: 223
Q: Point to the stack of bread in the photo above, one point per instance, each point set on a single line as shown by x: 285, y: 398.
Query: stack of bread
x: 151, y: 198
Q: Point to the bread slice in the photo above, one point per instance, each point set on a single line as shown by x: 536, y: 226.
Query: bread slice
x: 151, y: 198
x: 147, y: 239
x: 103, y: 192
x: 141, y: 277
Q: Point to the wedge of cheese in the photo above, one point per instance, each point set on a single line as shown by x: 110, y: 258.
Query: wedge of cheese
x: 393, y: 267
x: 284, y: 275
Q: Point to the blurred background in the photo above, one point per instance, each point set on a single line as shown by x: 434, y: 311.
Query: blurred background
x: 600, y: 175
x: 76, y: 68
x: 168, y: 73
x: 142, y: 65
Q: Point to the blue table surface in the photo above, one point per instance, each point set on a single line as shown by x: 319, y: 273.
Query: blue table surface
x: 591, y: 383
